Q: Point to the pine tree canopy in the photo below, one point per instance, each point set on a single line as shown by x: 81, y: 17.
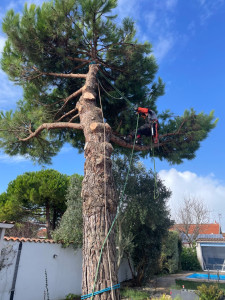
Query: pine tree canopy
x: 48, y: 53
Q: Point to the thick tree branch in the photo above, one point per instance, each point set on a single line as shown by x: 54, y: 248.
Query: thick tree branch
x: 78, y: 59
x: 115, y: 139
x: 71, y: 75
x: 50, y: 126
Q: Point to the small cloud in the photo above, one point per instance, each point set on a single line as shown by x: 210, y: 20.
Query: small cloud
x: 170, y: 4
x: 209, y: 8
x: 2, y: 43
x: 163, y: 46
x: 128, y: 8
x: 4, y: 158
x: 150, y: 19
x: 10, y: 93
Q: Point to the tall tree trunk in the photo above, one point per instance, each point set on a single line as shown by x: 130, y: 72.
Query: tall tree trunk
x: 95, y: 219
x: 48, y: 223
x: 54, y: 218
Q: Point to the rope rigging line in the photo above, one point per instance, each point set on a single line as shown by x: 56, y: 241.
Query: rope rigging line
x: 107, y: 92
x: 114, y: 221
x: 116, y: 89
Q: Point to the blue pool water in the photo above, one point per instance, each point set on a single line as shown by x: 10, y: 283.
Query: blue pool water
x: 205, y: 276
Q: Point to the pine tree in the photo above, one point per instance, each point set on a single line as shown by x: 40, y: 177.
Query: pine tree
x: 59, y: 53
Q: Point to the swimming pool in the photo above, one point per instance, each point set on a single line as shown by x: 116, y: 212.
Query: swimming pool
x: 206, y: 276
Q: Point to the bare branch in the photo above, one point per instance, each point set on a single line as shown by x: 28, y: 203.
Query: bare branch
x: 66, y: 100
x: 67, y: 114
x: 50, y: 126
x: 80, y: 66
x: 79, y: 59
x: 74, y: 117
x: 71, y: 75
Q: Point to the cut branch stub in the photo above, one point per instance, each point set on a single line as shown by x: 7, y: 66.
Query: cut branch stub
x: 88, y: 96
x: 99, y: 127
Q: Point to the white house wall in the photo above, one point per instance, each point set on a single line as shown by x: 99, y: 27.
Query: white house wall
x: 7, y: 266
x: 63, y: 267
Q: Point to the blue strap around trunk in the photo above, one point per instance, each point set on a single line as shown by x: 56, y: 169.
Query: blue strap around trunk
x: 116, y: 286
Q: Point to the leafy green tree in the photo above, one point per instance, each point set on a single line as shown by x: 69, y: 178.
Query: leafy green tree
x: 36, y: 195
x: 55, y: 52
x: 70, y: 229
x: 144, y: 218
x: 170, y: 255
x: 136, y: 206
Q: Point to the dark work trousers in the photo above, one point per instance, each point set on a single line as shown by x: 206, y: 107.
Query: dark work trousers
x: 144, y: 130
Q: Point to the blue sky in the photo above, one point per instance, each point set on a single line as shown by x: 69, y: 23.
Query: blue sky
x: 188, y: 42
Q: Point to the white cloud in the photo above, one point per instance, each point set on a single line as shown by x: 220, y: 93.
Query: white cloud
x: 2, y: 43
x: 208, y: 189
x: 150, y: 19
x: 163, y: 46
x: 170, y: 4
x: 209, y: 8
x: 4, y: 158
x: 9, y: 93
x: 128, y: 8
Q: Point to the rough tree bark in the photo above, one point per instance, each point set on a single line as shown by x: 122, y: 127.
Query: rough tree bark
x: 95, y: 221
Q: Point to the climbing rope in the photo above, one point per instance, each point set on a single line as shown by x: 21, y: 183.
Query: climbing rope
x: 108, y: 93
x: 117, y: 214
x: 116, y: 89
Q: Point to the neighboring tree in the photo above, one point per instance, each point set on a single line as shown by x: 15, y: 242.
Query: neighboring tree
x: 171, y: 252
x: 144, y: 218
x: 24, y: 229
x: 37, y: 196
x: 189, y: 218
x: 55, y: 52
x: 70, y: 230
x: 138, y: 209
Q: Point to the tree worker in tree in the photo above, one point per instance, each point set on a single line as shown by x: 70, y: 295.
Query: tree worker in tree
x: 150, y: 128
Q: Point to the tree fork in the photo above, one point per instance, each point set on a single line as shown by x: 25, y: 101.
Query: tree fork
x: 97, y: 152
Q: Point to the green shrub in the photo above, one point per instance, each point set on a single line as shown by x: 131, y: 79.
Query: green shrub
x: 189, y: 260
x: 170, y: 256
x: 134, y: 294
x: 72, y: 297
x: 211, y: 292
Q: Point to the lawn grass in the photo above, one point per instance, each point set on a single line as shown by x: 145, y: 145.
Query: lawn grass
x: 193, y: 285
x: 134, y: 294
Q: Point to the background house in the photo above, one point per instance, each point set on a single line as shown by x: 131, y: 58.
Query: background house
x: 190, y: 233
x: 209, y: 241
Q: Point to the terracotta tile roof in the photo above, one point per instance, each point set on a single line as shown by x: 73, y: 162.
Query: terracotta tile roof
x: 6, y: 222
x: 213, y: 228
x: 22, y: 239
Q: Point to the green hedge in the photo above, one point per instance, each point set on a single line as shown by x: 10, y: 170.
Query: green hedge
x: 189, y: 260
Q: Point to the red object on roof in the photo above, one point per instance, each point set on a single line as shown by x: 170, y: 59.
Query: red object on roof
x: 213, y: 228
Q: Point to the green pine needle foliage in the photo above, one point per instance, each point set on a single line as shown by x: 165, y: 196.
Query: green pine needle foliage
x: 47, y: 38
